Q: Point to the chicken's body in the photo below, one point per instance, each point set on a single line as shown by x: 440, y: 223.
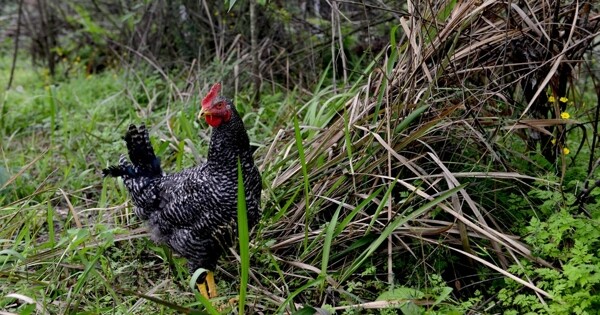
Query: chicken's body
x: 194, y: 211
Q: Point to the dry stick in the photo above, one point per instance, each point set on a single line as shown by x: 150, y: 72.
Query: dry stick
x: 212, y: 27
x: 591, y: 165
x: 14, y: 61
x: 72, y: 209
x: 333, y: 65
x: 254, y: 48
x: 390, y: 214
x: 341, y: 42
x: 44, y: 29
x: 236, y: 71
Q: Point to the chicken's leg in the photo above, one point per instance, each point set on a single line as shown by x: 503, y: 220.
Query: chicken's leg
x: 212, y: 286
x: 202, y: 289
x: 208, y: 288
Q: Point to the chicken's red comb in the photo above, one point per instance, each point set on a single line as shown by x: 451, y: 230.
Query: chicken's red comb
x: 214, y: 91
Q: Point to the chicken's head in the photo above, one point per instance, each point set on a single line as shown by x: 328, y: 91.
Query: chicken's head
x: 216, y: 109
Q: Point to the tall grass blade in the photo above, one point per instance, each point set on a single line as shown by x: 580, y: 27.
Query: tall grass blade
x: 302, y: 157
x: 53, y: 112
x: 348, y: 143
x: 50, y: 222
x: 382, y: 204
x: 328, y: 239
x: 179, y: 156
x: 410, y: 118
x: 243, y: 239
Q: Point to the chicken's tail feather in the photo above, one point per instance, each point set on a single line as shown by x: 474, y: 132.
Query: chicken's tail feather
x: 124, y: 168
x: 141, y: 153
x: 114, y: 171
x: 144, y: 162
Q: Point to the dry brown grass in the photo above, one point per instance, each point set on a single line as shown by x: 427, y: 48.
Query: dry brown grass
x: 460, y: 99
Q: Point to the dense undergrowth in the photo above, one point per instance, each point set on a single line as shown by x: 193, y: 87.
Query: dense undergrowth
x: 434, y: 180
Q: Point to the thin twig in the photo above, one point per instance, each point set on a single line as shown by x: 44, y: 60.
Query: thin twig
x: 254, y: 49
x: 14, y: 61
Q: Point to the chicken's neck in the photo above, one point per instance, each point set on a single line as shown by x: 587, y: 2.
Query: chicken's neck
x: 227, y: 143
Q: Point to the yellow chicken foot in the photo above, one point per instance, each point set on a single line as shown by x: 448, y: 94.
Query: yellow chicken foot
x: 212, y: 286
x: 202, y: 289
x: 208, y: 288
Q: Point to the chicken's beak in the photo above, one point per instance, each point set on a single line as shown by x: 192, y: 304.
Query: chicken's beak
x: 201, y: 113
x: 204, y: 112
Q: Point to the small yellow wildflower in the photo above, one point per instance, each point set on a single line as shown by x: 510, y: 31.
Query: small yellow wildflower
x: 551, y: 99
x: 565, y: 115
x: 563, y: 99
x: 553, y: 141
x: 566, y: 151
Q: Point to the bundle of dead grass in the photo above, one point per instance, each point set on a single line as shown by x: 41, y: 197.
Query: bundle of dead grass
x: 422, y: 152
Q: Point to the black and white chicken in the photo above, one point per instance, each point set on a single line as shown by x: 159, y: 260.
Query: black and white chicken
x: 194, y: 211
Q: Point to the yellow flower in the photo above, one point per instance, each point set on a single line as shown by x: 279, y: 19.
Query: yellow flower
x: 551, y: 99
x: 565, y: 115
x: 563, y: 99
x: 553, y: 141
x: 566, y: 151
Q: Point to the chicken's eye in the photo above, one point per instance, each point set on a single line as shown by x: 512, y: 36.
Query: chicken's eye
x: 220, y: 105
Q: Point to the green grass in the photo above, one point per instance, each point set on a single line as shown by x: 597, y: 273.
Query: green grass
x: 67, y: 235
x: 389, y: 172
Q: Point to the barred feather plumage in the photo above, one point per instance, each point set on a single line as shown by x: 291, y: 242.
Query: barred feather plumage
x: 193, y: 211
